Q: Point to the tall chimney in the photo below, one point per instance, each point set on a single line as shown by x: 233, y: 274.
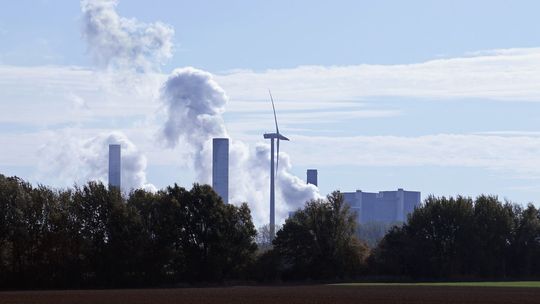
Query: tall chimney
x: 115, y: 166
x: 312, y: 176
x: 220, y: 167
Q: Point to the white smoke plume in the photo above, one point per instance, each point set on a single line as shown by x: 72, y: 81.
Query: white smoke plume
x: 118, y: 42
x: 249, y: 181
x: 123, y: 47
x: 66, y: 159
x: 194, y: 104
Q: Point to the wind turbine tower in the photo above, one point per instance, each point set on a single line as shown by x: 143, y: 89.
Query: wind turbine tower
x: 273, y: 137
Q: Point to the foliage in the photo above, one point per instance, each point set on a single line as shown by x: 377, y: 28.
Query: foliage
x: 93, y: 236
x: 319, y: 242
x: 373, y: 232
x: 462, y: 238
x: 90, y: 236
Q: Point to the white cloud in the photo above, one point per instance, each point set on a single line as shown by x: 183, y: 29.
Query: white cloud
x: 507, y: 75
x: 511, y: 74
x: 50, y: 95
x: 516, y: 155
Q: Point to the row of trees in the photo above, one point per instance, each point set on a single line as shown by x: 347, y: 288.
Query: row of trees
x: 463, y: 238
x: 90, y: 236
x: 444, y: 238
x: 317, y: 242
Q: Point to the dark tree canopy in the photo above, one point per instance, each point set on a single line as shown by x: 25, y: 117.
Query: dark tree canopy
x: 319, y: 241
x: 462, y: 238
x: 92, y: 236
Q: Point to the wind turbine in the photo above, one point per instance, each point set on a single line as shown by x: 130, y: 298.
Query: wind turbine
x: 273, y: 136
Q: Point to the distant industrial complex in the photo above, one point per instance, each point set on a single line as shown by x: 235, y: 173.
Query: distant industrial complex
x: 382, y: 207
x: 385, y: 207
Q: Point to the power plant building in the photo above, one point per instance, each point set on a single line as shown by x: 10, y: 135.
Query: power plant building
x: 382, y: 207
x: 115, y: 166
x: 220, y: 167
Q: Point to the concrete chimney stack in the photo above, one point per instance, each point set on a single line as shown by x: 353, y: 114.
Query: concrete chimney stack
x: 115, y: 166
x: 312, y: 177
x: 220, y: 167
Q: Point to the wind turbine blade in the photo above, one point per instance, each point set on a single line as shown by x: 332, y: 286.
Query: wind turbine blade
x: 277, y: 159
x: 274, y: 108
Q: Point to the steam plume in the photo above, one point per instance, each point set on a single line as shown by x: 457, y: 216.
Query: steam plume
x: 67, y: 159
x: 194, y: 104
x: 118, y: 42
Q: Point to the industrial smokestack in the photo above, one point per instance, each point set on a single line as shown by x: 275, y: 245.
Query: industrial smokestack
x: 115, y: 166
x: 220, y: 167
x: 312, y: 176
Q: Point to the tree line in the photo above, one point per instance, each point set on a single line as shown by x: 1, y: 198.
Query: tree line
x: 90, y: 236
x: 463, y: 238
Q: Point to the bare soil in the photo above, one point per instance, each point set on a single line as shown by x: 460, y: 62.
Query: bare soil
x: 282, y: 294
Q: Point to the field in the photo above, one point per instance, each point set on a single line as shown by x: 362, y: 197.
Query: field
x: 533, y: 284
x: 341, y: 293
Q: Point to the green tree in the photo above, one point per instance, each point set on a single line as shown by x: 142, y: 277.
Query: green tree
x: 435, y: 242
x: 524, y: 255
x: 107, y: 233
x: 161, y: 226
x: 216, y: 239
x: 373, y: 232
x: 441, y: 233
x: 21, y: 230
x: 492, y: 236
x: 319, y: 241
x: 449, y: 237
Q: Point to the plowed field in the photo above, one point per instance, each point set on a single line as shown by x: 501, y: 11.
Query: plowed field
x: 286, y: 294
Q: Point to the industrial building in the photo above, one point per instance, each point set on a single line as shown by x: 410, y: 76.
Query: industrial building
x: 384, y: 206
x: 115, y: 165
x: 220, y: 167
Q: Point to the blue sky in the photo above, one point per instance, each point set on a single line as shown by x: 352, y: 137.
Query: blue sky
x: 223, y: 35
x: 426, y: 95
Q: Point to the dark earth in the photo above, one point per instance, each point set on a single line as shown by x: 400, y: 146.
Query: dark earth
x: 283, y: 294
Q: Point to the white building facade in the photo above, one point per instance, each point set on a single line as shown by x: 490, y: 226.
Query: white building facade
x: 384, y: 206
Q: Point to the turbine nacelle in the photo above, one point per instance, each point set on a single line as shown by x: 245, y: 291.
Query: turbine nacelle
x: 275, y: 135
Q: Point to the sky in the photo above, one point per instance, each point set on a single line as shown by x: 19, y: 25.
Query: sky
x: 438, y: 97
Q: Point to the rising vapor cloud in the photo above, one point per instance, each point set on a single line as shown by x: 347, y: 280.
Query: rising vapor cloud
x: 194, y: 104
x: 66, y: 158
x: 118, y: 42
x: 119, y: 45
